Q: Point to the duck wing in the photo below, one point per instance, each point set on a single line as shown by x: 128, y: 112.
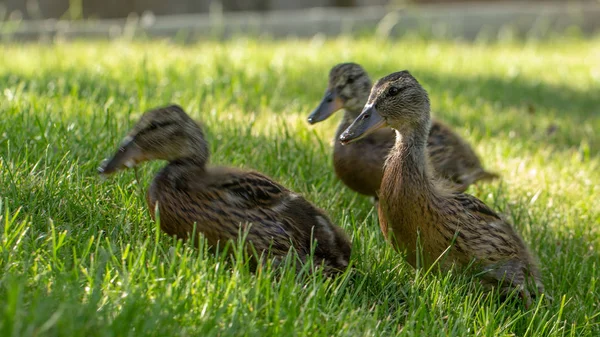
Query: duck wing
x: 252, y: 190
x: 483, y: 233
x: 477, y: 208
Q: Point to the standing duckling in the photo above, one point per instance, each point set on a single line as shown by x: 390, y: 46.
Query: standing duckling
x: 360, y: 166
x: 415, y: 207
x: 222, y: 200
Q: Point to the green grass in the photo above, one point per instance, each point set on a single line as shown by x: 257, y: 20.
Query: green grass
x: 80, y: 256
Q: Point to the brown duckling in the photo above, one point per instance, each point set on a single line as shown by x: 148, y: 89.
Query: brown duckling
x: 221, y: 200
x: 360, y: 166
x: 457, y: 228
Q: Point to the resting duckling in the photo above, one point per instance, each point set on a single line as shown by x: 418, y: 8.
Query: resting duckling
x: 413, y: 206
x: 222, y: 200
x: 360, y: 166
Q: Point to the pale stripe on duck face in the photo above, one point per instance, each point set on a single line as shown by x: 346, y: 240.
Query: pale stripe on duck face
x: 161, y: 134
x: 348, y: 88
x: 352, y: 83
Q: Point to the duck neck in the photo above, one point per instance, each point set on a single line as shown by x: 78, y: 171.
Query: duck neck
x: 193, y: 163
x: 187, y: 163
x: 409, y: 162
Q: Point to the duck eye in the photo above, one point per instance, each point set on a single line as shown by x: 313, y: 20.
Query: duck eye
x: 393, y: 91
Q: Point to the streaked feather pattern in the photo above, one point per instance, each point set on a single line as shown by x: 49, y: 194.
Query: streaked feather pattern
x: 222, y: 202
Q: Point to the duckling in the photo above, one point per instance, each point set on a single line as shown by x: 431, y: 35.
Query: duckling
x: 457, y: 228
x: 360, y: 166
x: 221, y: 201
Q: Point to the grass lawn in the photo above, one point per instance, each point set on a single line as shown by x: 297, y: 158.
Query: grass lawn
x: 80, y: 256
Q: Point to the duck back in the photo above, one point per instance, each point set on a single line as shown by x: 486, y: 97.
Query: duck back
x: 224, y: 202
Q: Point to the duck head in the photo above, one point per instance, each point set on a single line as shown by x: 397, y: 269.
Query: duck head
x: 165, y: 133
x: 348, y: 88
x: 397, y: 101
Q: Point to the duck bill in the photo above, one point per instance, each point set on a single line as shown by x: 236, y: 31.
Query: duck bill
x: 128, y: 155
x: 330, y: 103
x: 367, y: 122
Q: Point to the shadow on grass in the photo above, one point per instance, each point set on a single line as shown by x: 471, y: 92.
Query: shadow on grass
x: 549, y: 114
x: 517, y: 108
x: 563, y: 116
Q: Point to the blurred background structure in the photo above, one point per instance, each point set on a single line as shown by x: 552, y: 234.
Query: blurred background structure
x: 110, y: 9
x: 42, y: 19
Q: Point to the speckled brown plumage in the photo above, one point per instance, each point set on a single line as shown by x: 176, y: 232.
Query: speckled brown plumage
x: 414, y: 207
x: 222, y: 201
x: 360, y: 166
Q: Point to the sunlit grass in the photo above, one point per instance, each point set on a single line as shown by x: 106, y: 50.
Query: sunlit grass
x: 81, y: 257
